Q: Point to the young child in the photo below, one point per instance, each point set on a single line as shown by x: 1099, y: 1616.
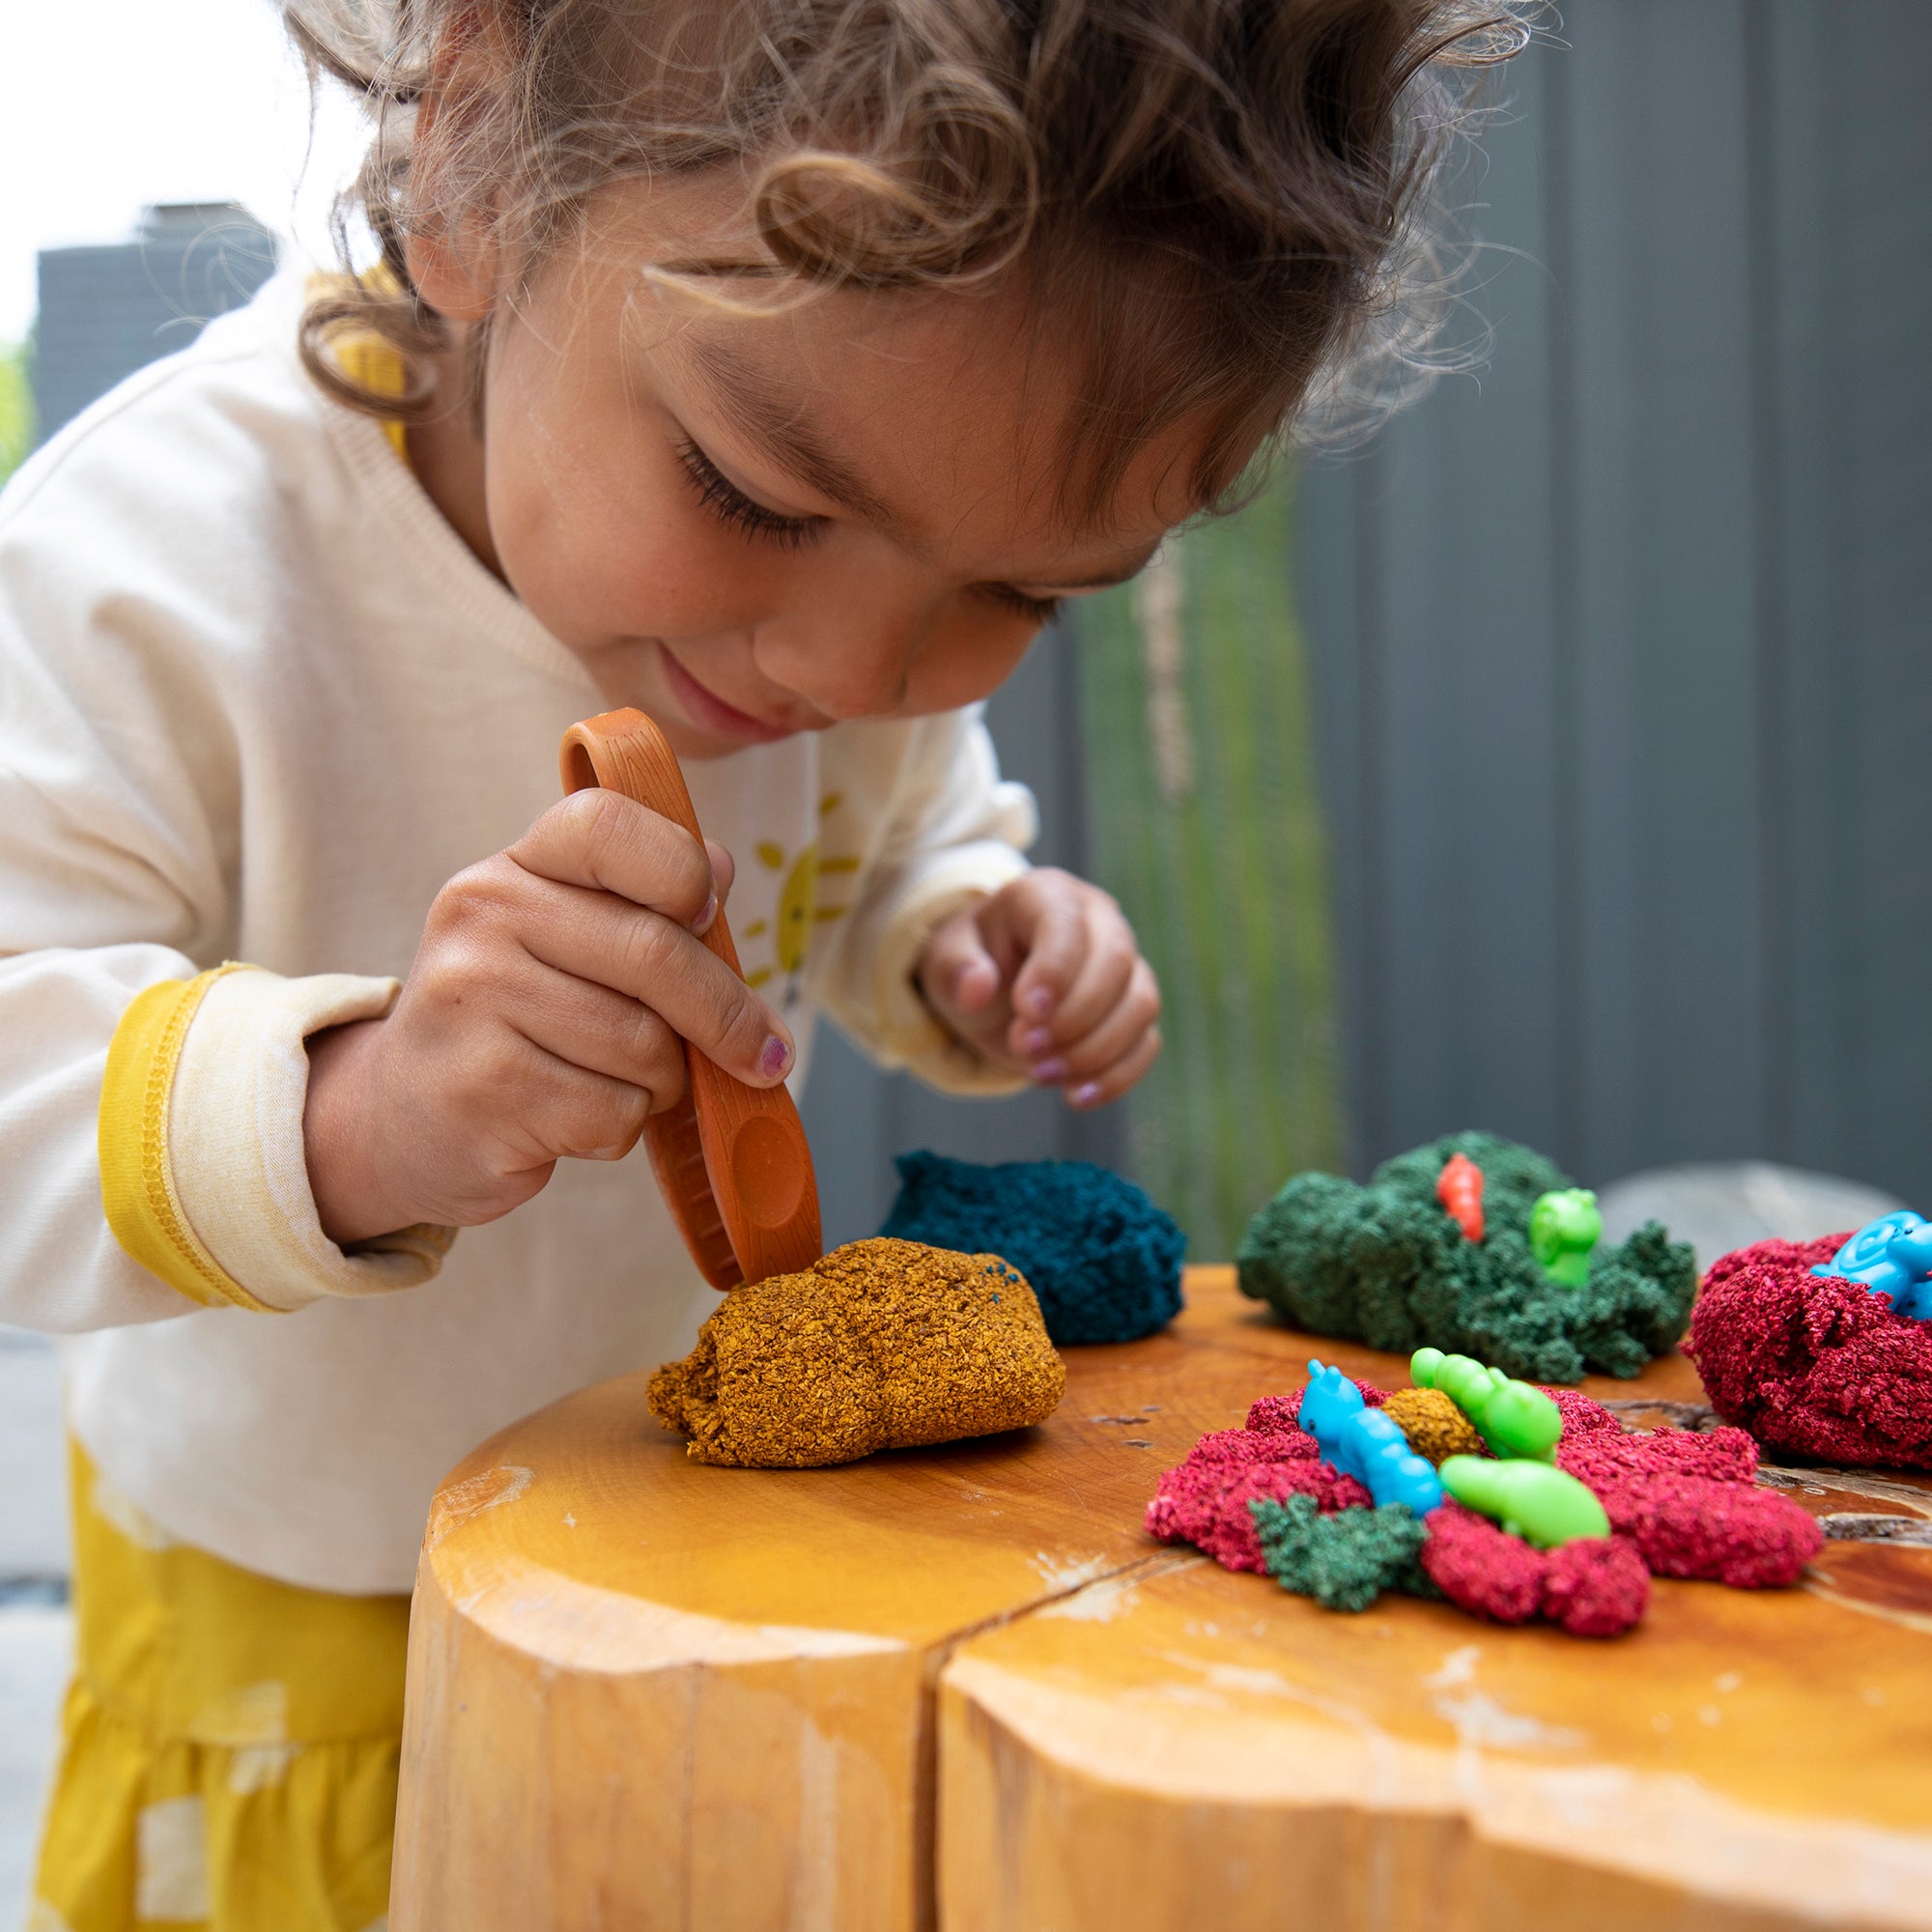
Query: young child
x: 777, y: 367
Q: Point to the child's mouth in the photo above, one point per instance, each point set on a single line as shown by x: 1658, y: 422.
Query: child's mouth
x: 710, y: 713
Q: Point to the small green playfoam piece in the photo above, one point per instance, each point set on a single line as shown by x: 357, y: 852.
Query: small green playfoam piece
x: 1346, y: 1560
x: 1539, y: 1503
x: 1513, y: 1418
x: 1564, y: 1230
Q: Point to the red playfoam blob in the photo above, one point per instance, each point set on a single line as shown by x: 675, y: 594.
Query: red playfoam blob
x: 1815, y: 1367
x: 1731, y: 1533
x: 1582, y: 1414
x: 1206, y: 1500
x: 1482, y: 1568
x: 1596, y: 1586
x: 1599, y: 1458
x: 1681, y: 1503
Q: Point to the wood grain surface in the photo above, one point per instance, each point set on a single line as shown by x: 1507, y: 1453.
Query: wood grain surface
x: 959, y: 1686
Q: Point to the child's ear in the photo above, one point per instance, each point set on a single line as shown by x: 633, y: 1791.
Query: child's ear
x: 451, y: 280
x: 452, y: 262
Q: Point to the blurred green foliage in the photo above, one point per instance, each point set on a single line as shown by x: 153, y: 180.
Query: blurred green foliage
x: 17, y: 407
x: 1207, y: 827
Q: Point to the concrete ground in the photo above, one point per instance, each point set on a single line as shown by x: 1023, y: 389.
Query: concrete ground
x: 36, y: 1642
x: 36, y: 1630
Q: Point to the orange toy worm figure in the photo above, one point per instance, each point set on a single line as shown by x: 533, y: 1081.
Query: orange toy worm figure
x: 1460, y: 1189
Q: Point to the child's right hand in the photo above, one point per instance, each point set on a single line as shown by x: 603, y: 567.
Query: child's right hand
x: 544, y: 1015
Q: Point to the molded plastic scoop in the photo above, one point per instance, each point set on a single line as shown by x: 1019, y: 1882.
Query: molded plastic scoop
x: 732, y: 1160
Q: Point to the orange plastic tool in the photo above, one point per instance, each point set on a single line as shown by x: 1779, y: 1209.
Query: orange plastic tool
x: 732, y: 1160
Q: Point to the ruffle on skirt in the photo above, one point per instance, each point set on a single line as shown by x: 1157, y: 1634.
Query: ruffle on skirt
x: 229, y: 1745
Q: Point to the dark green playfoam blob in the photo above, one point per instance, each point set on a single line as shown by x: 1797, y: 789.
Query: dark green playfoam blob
x: 1387, y: 1265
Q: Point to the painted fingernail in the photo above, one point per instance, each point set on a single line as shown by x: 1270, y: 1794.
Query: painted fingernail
x: 1049, y: 1072
x: 1038, y: 1002
x: 702, y: 924
x: 1086, y: 1093
x: 1035, y: 1039
x: 775, y: 1062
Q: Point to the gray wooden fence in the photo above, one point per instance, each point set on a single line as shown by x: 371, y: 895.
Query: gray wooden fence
x: 1622, y: 652
x: 1618, y: 653
x: 859, y: 1118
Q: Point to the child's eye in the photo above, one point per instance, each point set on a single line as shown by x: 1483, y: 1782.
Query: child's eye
x: 730, y: 505
x: 1041, y: 609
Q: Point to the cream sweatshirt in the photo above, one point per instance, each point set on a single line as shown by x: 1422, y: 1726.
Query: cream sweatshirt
x: 258, y: 702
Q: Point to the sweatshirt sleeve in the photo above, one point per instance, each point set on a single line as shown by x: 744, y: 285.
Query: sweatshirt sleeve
x: 150, y: 1107
x: 952, y: 830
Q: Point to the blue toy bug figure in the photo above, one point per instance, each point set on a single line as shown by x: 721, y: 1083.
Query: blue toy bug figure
x: 1892, y: 1257
x: 1365, y: 1443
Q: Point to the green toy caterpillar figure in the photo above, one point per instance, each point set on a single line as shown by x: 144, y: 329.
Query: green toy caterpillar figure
x: 1513, y: 1418
x: 1523, y: 1490
x: 1540, y: 1504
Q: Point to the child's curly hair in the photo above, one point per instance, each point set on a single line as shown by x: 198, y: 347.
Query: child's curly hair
x: 1228, y: 200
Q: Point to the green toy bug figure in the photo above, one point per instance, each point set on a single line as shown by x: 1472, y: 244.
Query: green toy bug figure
x: 1513, y: 1418
x: 1540, y: 1504
x: 1564, y: 1230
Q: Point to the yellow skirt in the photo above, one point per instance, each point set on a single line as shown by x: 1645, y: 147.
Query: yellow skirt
x: 229, y: 1745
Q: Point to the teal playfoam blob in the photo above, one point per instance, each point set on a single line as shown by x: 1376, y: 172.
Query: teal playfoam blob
x: 1103, y: 1262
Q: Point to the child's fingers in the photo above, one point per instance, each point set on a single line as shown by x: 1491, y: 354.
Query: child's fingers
x: 561, y: 1109
x: 658, y: 963
x: 1099, y: 984
x: 724, y: 874
x: 611, y: 843
x: 1115, y: 1081
x: 603, y: 1032
x: 1118, y: 1034
x: 959, y: 972
x: 1043, y: 915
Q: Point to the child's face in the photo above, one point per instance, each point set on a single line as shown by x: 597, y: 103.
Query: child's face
x: 753, y: 526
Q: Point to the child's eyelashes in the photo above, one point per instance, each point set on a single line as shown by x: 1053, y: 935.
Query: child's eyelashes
x: 730, y: 505
x: 1039, y: 610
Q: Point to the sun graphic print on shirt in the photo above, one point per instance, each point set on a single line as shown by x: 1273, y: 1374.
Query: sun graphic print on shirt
x: 789, y: 932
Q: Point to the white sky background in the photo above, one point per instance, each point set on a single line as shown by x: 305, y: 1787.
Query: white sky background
x: 108, y: 104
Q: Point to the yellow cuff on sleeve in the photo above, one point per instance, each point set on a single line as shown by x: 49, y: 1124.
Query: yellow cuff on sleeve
x: 137, y: 1190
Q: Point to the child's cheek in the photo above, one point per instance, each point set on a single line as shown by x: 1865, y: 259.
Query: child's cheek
x: 970, y: 653
x: 595, y: 564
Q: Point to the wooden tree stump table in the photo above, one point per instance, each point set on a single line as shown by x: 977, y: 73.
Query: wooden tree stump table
x: 960, y: 1688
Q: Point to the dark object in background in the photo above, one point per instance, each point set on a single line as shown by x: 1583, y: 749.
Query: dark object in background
x: 107, y: 311
x: 1388, y: 1266
x: 1815, y: 1366
x: 1103, y: 1260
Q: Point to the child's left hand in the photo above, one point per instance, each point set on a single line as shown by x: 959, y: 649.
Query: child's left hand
x: 1045, y: 978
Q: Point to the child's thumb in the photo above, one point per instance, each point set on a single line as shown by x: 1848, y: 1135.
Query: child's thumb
x: 960, y: 972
